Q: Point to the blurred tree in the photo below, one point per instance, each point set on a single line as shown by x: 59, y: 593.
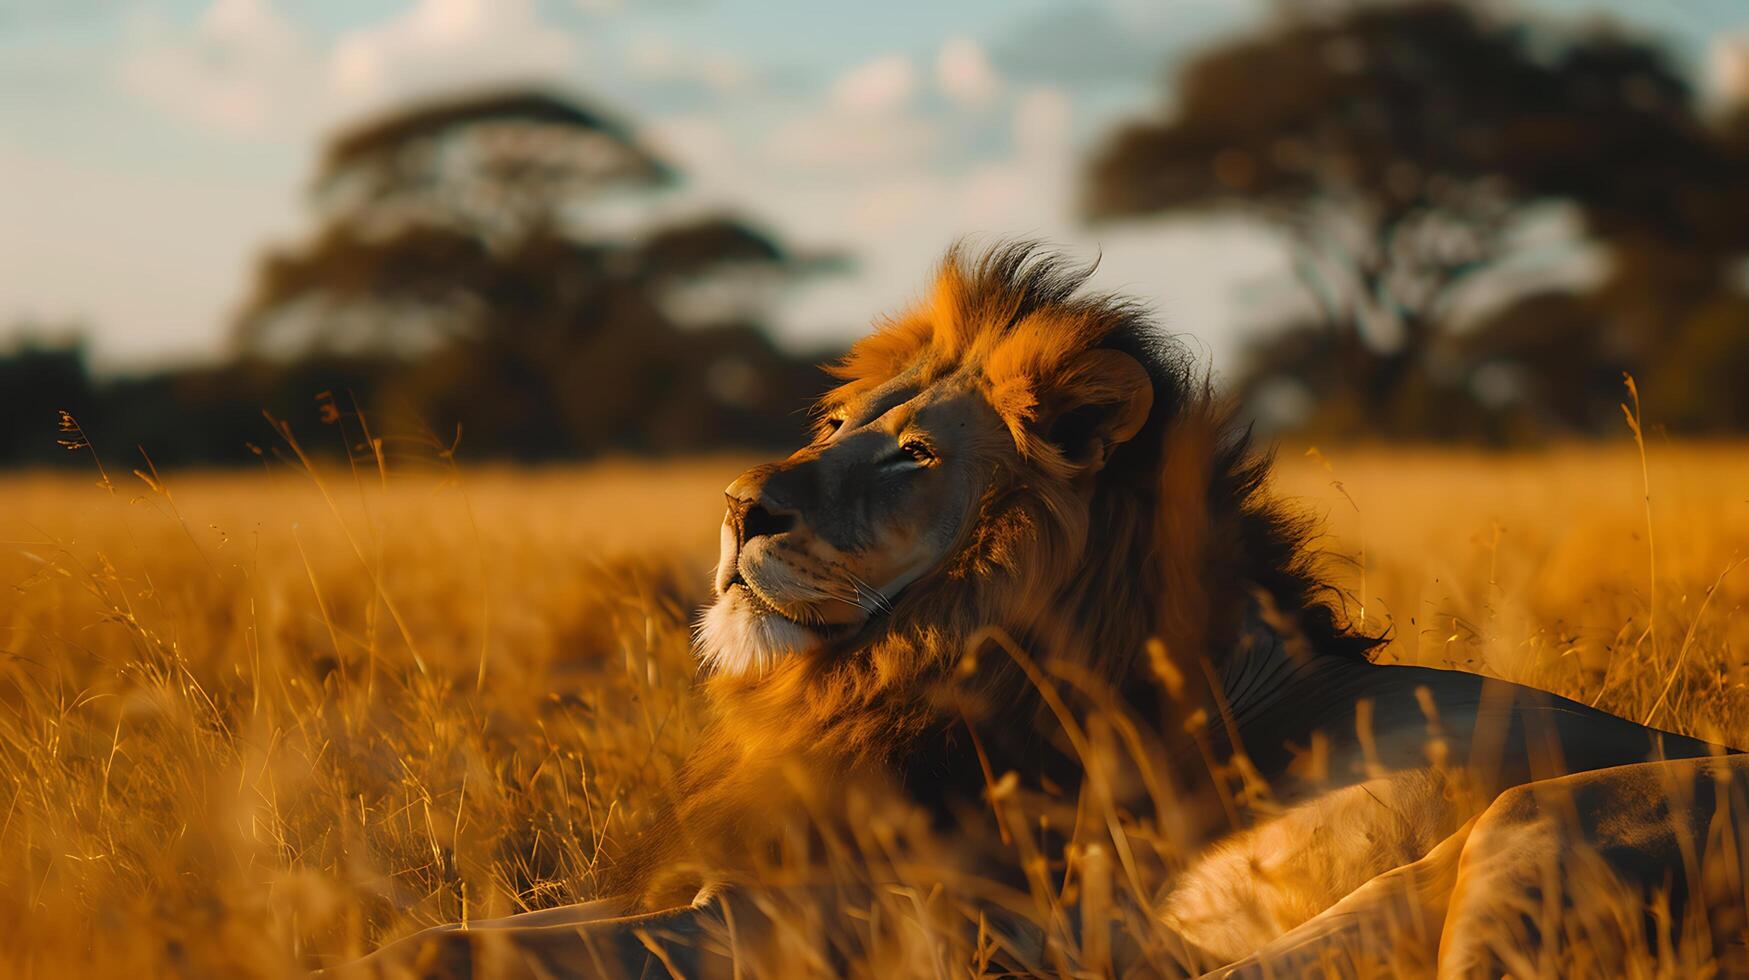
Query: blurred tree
x: 1399, y: 146
x: 1672, y: 309
x: 497, y: 164
x: 42, y: 374
x: 473, y: 238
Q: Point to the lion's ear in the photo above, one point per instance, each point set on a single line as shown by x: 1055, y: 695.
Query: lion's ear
x: 1098, y: 403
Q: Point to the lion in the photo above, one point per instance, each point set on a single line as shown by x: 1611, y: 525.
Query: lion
x: 1024, y: 531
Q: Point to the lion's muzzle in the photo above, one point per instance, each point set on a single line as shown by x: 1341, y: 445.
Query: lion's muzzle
x: 751, y: 515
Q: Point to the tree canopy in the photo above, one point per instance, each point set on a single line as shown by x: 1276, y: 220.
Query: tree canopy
x: 1400, y: 147
x: 465, y: 238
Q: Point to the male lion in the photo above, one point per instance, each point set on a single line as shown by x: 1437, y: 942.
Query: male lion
x: 1024, y: 581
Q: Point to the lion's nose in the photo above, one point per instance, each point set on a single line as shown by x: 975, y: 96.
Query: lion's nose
x: 754, y: 515
x: 759, y: 521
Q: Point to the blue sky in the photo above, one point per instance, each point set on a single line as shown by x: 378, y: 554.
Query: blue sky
x: 149, y: 150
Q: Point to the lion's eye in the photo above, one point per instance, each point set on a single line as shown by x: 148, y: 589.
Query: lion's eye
x: 830, y: 425
x: 917, y: 450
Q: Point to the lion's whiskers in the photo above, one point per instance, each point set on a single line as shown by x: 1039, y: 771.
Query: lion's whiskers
x: 874, y: 594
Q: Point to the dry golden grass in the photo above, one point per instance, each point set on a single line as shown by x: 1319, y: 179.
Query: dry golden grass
x: 256, y: 723
x: 1539, y: 567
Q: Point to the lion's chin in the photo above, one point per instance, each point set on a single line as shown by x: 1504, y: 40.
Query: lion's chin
x: 736, y: 637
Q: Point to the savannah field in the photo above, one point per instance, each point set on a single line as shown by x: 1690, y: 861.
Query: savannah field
x: 259, y: 722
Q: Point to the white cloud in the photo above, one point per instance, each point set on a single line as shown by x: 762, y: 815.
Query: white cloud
x: 831, y: 140
x: 255, y: 23
x: 241, y: 68
x: 893, y: 205
x: 963, y: 74
x: 655, y: 58
x: 692, y: 139
x: 1041, y: 121
x: 1728, y: 69
x: 244, y: 68
x: 861, y: 131
x: 445, y: 45
x: 883, y: 85
x: 651, y: 55
x: 995, y: 195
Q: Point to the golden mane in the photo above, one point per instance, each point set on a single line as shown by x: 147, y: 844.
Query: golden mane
x: 1176, y: 540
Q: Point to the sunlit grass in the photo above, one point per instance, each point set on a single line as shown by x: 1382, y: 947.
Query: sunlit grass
x: 1534, y: 567
x: 260, y: 722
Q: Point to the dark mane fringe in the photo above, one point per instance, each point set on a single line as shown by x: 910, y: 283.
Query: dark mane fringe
x: 1014, y: 280
x: 1254, y: 541
x: 1277, y: 551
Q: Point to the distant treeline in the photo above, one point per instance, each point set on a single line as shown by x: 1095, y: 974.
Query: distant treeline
x: 710, y: 389
x: 183, y: 416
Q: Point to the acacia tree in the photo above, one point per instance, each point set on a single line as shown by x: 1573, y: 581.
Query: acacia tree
x: 1671, y: 309
x: 1397, y: 147
x: 470, y: 240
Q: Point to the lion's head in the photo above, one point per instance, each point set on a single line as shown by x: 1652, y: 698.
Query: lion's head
x: 957, y: 467
x: 1012, y: 452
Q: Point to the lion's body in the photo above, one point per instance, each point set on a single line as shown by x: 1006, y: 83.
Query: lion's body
x: 1431, y: 751
x: 1025, y: 510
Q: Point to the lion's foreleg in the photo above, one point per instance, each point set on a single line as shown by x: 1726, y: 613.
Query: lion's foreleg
x: 1392, y: 922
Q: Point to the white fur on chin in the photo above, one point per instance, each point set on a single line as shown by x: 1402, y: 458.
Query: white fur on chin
x: 735, y: 638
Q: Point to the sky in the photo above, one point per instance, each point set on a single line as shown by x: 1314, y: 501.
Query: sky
x: 150, y: 149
